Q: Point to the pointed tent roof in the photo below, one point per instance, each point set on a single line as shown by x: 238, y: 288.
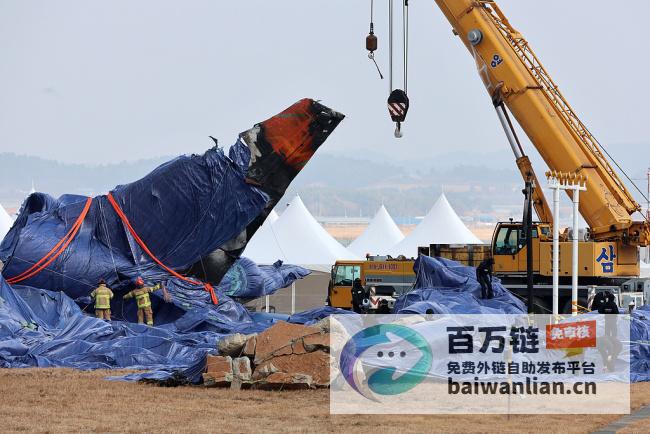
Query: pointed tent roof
x: 379, y: 237
x: 272, y: 217
x: 440, y: 226
x: 645, y: 269
x: 5, y: 222
x: 296, y: 238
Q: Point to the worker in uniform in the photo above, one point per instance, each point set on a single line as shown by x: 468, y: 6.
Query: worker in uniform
x: 141, y: 295
x: 610, y: 345
x: 484, y: 277
x: 102, y: 296
x: 358, y: 294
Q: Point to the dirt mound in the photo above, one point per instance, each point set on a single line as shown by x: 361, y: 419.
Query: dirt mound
x: 283, y: 356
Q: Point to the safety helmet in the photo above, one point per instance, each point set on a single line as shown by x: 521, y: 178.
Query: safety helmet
x: 102, y: 282
x: 139, y: 282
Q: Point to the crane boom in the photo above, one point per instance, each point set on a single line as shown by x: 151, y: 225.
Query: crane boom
x: 513, y: 74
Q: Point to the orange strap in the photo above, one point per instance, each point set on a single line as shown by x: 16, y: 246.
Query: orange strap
x: 56, y: 250
x: 144, y: 247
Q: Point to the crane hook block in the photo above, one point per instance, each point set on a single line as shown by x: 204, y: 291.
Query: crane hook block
x: 398, y: 105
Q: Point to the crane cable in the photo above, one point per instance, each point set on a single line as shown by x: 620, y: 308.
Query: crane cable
x: 405, y: 36
x: 390, y: 46
x: 398, y: 101
x: 405, y: 42
x: 645, y: 217
x: 371, y: 39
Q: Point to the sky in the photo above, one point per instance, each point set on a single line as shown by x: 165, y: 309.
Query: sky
x: 98, y: 82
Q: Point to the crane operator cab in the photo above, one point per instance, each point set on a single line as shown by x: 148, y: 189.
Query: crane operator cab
x: 509, y: 246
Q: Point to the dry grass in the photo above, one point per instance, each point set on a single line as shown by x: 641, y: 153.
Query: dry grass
x: 640, y: 427
x: 62, y: 400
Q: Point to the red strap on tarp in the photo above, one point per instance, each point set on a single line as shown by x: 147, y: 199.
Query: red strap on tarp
x: 56, y: 250
x: 144, y: 247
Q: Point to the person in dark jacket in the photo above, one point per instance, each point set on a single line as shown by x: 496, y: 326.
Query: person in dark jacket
x: 611, y: 346
x: 484, y: 277
x: 358, y: 294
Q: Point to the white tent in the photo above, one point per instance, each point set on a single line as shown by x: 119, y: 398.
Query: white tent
x: 377, y: 239
x: 5, y: 222
x: 645, y: 269
x: 296, y: 238
x: 440, y: 226
x: 272, y: 217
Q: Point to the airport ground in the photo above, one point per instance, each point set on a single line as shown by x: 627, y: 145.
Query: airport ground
x: 64, y: 400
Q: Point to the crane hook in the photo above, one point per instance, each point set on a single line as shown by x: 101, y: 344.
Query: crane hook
x: 398, y: 106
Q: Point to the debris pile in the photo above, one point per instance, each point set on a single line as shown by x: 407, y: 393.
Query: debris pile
x: 285, y: 356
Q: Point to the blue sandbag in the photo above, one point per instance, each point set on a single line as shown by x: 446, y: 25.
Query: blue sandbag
x: 443, y: 286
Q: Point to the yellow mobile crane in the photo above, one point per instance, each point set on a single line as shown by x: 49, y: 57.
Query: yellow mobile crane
x: 516, y: 79
x: 518, y: 83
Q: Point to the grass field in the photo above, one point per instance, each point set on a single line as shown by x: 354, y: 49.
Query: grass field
x: 63, y: 400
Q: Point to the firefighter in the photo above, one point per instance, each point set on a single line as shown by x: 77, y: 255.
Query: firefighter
x: 141, y: 294
x: 102, y: 295
x: 484, y: 277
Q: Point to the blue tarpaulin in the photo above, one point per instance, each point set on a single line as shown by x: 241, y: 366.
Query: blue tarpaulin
x: 246, y: 280
x: 43, y: 328
x: 443, y: 286
x: 198, y: 209
x: 184, y: 210
x: 640, y: 344
x: 194, y: 211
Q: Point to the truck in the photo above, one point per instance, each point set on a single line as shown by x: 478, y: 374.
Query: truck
x: 383, y: 279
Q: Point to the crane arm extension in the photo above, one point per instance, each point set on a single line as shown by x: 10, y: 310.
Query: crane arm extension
x: 511, y: 71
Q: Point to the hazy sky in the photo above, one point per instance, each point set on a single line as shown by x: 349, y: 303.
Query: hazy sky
x: 100, y: 81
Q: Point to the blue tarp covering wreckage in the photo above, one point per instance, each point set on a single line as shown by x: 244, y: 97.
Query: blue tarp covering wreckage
x: 191, y: 215
x: 443, y: 286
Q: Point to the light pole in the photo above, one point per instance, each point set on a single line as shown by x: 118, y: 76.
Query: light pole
x: 575, y: 183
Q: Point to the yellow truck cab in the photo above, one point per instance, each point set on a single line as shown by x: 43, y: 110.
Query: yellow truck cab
x: 382, y: 277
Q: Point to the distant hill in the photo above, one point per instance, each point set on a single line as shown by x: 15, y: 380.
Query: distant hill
x: 479, y: 185
x: 17, y: 172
